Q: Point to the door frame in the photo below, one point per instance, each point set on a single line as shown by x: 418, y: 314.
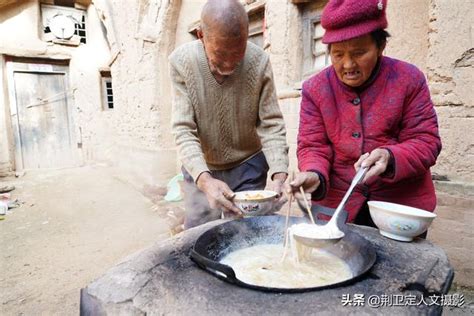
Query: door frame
x: 37, y: 66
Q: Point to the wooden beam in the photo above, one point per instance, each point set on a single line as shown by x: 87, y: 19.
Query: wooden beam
x: 255, y: 7
x: 193, y: 27
x: 4, y: 3
x: 84, y: 3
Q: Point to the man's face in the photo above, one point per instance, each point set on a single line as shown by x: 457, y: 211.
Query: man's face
x: 355, y: 59
x: 223, y: 53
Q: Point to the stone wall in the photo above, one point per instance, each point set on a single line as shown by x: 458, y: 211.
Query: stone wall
x: 452, y: 229
x: 437, y: 37
x: 408, y: 32
x: 450, y: 64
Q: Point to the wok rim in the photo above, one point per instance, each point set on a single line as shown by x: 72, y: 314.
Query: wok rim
x: 198, y: 258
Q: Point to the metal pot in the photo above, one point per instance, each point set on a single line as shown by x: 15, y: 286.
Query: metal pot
x: 223, y: 239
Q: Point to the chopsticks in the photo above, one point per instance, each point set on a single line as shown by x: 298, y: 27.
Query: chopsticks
x: 287, y: 221
x: 285, y: 232
x: 308, y: 208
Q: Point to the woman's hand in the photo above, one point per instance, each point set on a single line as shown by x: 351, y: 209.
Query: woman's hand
x: 309, y: 181
x: 377, y: 162
x: 218, y: 193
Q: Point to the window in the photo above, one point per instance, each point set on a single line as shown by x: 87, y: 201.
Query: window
x: 63, y: 25
x: 107, y: 91
x: 316, y: 56
x: 319, y: 51
x: 256, y: 27
x: 315, y: 53
x: 80, y: 29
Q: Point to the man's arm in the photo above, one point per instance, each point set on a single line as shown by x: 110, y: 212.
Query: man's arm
x: 184, y: 127
x: 271, y: 127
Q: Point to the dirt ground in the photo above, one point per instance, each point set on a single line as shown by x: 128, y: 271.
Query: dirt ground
x: 74, y: 224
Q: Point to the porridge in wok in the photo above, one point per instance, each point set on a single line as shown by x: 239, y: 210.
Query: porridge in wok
x: 262, y: 265
x: 225, y: 248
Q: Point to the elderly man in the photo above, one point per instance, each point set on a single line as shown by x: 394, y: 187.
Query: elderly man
x: 226, y: 120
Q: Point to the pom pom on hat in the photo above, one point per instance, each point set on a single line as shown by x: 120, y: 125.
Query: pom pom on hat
x: 347, y: 19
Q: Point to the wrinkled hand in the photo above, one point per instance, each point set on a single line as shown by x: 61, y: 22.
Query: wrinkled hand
x: 376, y: 161
x: 218, y: 193
x: 309, y: 181
x: 277, y: 185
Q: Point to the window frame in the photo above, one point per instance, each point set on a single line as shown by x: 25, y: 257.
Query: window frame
x: 260, y: 28
x: 106, y: 78
x: 66, y: 9
x: 309, y: 39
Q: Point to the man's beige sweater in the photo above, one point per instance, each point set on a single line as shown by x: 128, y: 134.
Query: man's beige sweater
x: 218, y: 126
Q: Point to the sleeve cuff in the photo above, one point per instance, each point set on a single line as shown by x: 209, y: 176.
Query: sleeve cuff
x: 196, y: 168
x: 277, y: 169
x: 277, y: 162
x: 389, y: 173
x: 320, y: 192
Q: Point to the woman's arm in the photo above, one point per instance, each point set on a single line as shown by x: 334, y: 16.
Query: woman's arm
x: 419, y: 141
x: 314, y: 151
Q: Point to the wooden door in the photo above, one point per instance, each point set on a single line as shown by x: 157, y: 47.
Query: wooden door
x: 44, y: 138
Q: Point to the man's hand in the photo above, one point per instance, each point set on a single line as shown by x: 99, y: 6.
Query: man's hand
x: 376, y: 161
x: 218, y: 193
x: 277, y: 184
x: 309, y: 181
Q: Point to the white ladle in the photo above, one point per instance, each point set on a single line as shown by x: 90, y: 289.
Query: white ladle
x: 320, y: 236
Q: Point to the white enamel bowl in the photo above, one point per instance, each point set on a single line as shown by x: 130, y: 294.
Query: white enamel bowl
x: 399, y: 222
x: 254, y: 203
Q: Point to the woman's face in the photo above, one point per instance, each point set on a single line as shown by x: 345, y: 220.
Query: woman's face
x: 355, y: 59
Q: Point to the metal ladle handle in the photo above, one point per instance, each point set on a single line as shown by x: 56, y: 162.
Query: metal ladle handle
x: 357, y: 178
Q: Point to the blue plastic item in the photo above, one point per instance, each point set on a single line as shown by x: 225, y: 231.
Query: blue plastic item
x: 174, y: 189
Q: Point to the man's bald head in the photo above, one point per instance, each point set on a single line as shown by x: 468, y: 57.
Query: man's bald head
x: 224, y: 18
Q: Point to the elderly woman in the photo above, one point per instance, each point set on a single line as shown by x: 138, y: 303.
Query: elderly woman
x: 366, y: 110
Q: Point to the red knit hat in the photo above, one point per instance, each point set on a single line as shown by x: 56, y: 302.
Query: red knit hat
x: 346, y: 19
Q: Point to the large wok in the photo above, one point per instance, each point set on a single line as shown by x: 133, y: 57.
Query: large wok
x: 223, y: 239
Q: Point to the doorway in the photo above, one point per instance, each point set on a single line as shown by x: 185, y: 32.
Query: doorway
x: 40, y: 107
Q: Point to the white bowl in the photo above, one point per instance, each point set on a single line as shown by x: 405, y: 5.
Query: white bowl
x: 256, y: 202
x: 399, y: 222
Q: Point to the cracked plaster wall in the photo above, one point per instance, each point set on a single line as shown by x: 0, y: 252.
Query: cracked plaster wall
x: 144, y: 147
x: 135, y: 136
x: 435, y: 35
x: 84, y: 81
x: 450, y: 65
